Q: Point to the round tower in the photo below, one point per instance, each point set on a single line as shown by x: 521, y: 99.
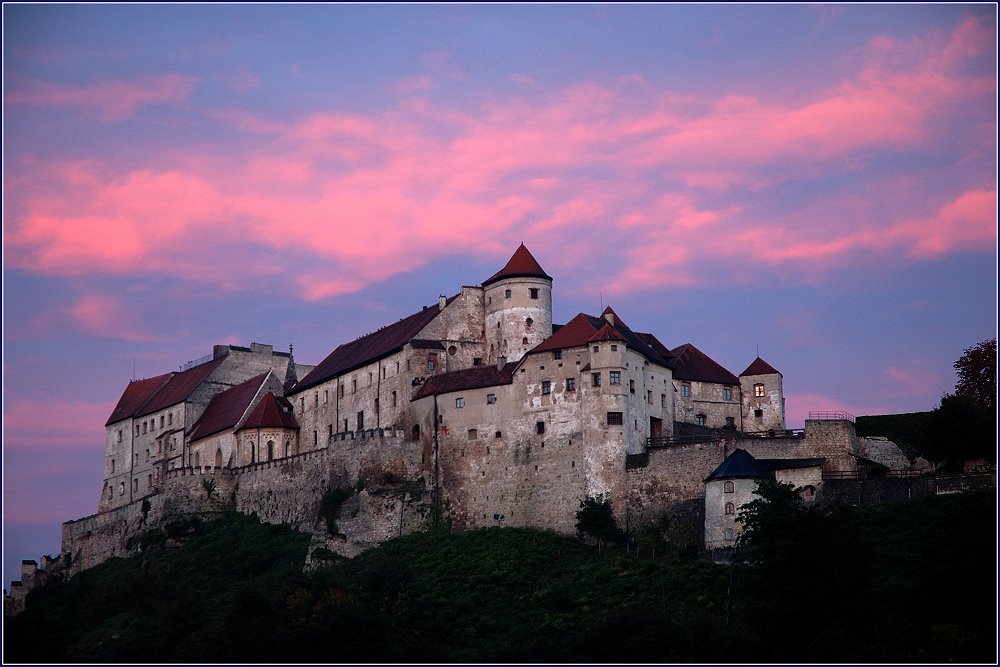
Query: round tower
x: 518, y: 307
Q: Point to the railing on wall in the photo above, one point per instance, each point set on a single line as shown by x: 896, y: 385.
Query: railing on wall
x: 832, y: 416
x: 676, y: 440
x: 775, y: 433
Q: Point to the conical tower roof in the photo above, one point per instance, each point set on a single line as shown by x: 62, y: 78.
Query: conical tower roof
x: 521, y: 265
x: 760, y: 367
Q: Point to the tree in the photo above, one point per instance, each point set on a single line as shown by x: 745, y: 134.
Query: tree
x: 977, y: 374
x: 769, y: 522
x: 596, y: 519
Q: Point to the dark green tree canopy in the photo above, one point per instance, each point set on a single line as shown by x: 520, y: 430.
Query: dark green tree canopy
x: 977, y: 374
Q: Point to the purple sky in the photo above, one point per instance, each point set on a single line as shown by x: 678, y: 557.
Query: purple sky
x: 818, y: 182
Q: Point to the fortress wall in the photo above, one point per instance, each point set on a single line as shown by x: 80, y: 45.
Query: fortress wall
x: 671, y: 476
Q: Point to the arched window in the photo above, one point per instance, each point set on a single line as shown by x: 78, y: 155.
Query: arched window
x: 218, y: 458
x: 473, y: 434
x: 288, y: 447
x: 270, y: 449
x: 253, y: 452
x: 808, y: 492
x: 730, y: 508
x: 197, y: 459
x: 729, y: 487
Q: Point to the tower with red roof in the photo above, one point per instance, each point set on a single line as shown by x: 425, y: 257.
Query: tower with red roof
x: 518, y: 304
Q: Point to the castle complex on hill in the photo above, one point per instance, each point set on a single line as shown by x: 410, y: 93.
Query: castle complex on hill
x: 473, y: 408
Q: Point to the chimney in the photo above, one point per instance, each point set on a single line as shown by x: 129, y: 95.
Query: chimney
x: 442, y: 301
x: 501, y: 362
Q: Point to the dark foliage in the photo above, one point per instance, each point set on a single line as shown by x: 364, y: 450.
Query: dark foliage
x: 977, y: 374
x: 596, y: 519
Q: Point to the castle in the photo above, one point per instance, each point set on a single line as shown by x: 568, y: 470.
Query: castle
x: 472, y: 408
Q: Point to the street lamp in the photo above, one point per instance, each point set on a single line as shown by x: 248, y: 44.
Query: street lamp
x: 498, y: 518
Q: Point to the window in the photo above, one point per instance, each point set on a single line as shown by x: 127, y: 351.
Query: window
x: 315, y: 438
x: 663, y: 400
x: 119, y: 435
x: 361, y: 420
x: 533, y: 292
x: 727, y: 394
x: 135, y: 484
x: 369, y: 379
x: 498, y: 434
x: 152, y: 424
x: 302, y: 404
x: 491, y: 399
x: 528, y: 322
x: 112, y: 466
x: 546, y: 387
x: 326, y: 396
x: 699, y: 420
x: 615, y: 419
x: 147, y: 454
x: 149, y: 480
x: 539, y: 427
x: 393, y: 399
x: 631, y: 386
x: 477, y: 361
x: 597, y: 348
x: 557, y: 354
x: 137, y: 429
x: 431, y: 361
x: 143, y: 427
x: 170, y: 418
x: 161, y: 420
x: 459, y: 402
x: 614, y: 348
x: 728, y: 487
x: 758, y: 390
x: 730, y: 534
x: 758, y: 413
x: 615, y: 377
x: 329, y: 433
x: 570, y: 384
x: 524, y: 341
x: 354, y: 385
x: 340, y: 391
x: 595, y: 379
x: 730, y: 422
x: 270, y: 449
x: 730, y: 508
x: 506, y: 294
x: 685, y: 389
x: 649, y: 397
x: 473, y: 434
x: 121, y: 489
x: 808, y: 492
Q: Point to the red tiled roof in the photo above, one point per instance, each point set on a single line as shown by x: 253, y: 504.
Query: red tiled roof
x: 759, y: 367
x: 469, y: 378
x: 226, y: 408
x: 180, y: 387
x: 136, y: 393
x: 272, y: 412
x: 606, y: 333
x: 520, y: 265
x: 367, y: 349
x: 580, y: 330
x: 693, y: 364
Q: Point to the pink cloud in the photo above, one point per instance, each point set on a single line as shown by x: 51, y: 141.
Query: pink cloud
x: 109, y: 101
x: 103, y: 315
x: 29, y: 423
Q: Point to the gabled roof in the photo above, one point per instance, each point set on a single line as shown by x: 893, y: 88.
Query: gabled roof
x: 520, y: 265
x: 742, y: 465
x: 606, y: 333
x: 693, y: 364
x: 367, y: 349
x: 135, y: 395
x: 179, y: 387
x: 476, y: 377
x: 227, y: 408
x: 271, y: 412
x: 580, y: 330
x: 759, y: 367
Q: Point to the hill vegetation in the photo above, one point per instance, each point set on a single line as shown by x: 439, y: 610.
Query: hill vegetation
x: 910, y: 582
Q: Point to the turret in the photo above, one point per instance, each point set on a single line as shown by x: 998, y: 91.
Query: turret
x: 518, y: 307
x: 763, y: 397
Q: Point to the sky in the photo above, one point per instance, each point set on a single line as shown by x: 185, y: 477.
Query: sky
x: 813, y: 183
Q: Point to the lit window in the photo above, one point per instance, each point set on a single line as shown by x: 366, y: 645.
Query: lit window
x: 727, y: 394
x: 570, y: 384
x: 728, y: 487
x: 533, y: 292
x: 539, y: 427
x: 758, y: 391
x: 685, y: 389
x: 459, y: 402
x: 615, y: 377
x: 491, y: 399
x: 546, y: 387
x: 615, y: 419
x: 730, y: 508
x: 699, y: 420
x: 595, y: 379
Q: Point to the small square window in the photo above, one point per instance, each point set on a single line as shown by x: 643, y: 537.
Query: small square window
x: 491, y: 399
x: 477, y: 361
x: 459, y: 402
x: 615, y: 377
x: 614, y: 348
x: 595, y: 379
x: 557, y: 354
x: 615, y: 419
x: 597, y: 348
x: 546, y: 387
x: 533, y: 292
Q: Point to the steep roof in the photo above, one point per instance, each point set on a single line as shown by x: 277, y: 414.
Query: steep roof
x: 476, y: 377
x: 226, y: 408
x: 759, y: 367
x: 742, y: 465
x: 521, y: 265
x: 693, y: 364
x: 369, y: 348
x: 583, y: 329
x: 272, y: 412
x: 135, y: 395
x: 179, y: 387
